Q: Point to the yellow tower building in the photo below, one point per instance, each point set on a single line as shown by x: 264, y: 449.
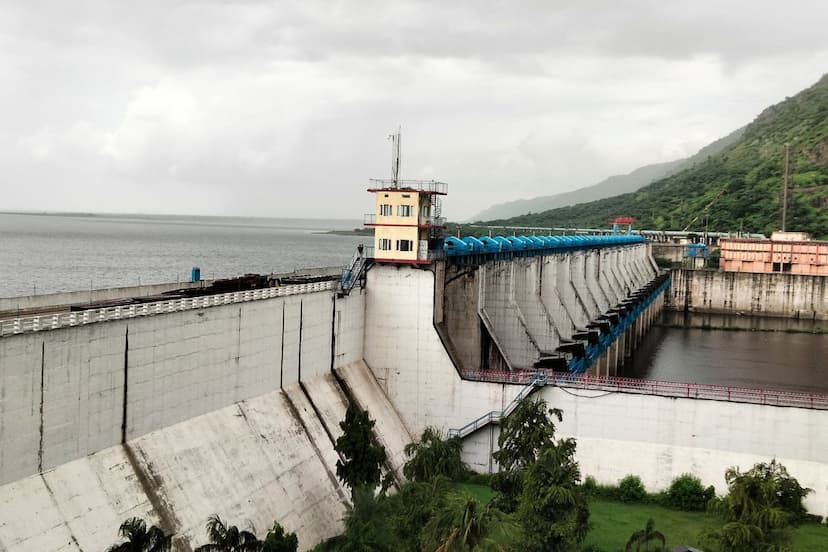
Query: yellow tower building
x: 407, y: 220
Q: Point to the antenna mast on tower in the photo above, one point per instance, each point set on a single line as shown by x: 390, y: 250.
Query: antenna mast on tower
x: 395, y: 157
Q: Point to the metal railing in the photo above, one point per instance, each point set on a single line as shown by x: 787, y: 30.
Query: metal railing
x: 773, y: 397
x: 67, y: 319
x: 371, y: 219
x: 431, y: 186
x: 494, y: 417
x: 352, y: 273
x: 431, y: 221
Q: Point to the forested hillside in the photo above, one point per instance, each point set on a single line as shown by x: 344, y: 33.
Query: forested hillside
x: 609, y: 187
x: 740, y: 187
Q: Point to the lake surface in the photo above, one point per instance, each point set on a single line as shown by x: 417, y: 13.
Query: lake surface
x: 52, y: 253
x: 738, y: 358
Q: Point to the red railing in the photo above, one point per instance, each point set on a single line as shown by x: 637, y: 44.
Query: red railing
x: 774, y: 397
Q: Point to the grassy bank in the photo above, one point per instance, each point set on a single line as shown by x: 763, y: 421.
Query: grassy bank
x: 612, y: 523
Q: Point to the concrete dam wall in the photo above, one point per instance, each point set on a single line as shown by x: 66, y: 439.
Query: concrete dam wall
x: 756, y: 294
x: 234, y: 408
x: 618, y: 433
x: 174, y: 417
x: 510, y: 314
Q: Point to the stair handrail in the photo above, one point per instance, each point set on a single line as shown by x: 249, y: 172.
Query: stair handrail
x: 352, y: 273
x: 494, y: 416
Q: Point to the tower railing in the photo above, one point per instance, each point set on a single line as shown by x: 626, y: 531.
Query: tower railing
x: 429, y: 186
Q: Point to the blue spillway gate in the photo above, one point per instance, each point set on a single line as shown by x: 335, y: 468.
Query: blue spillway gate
x: 471, y: 250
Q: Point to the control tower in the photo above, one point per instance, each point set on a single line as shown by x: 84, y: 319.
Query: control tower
x: 407, y: 219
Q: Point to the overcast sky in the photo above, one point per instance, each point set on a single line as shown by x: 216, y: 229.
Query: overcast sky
x: 283, y: 108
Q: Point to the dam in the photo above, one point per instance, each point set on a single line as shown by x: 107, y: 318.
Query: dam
x: 229, y: 403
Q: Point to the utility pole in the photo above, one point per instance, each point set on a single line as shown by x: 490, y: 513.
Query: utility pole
x: 785, y: 188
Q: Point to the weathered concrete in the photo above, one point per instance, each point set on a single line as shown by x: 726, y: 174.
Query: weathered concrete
x: 207, y: 429
x: 392, y: 432
x: 508, y: 314
x: 408, y: 359
x: 783, y: 295
x: 458, y: 315
x: 500, y: 313
x: 254, y: 462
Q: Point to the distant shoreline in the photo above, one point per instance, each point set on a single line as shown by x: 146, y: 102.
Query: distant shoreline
x: 354, y: 232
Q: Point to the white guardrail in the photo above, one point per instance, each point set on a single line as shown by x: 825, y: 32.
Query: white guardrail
x: 66, y: 319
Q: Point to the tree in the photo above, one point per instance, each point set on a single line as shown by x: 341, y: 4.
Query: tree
x: 761, y: 507
x: 433, y: 456
x: 367, y: 525
x: 644, y: 536
x: 552, y: 508
x: 140, y: 539
x: 462, y: 524
x: 228, y: 538
x: 277, y: 540
x: 418, y: 502
x: 361, y: 455
x: 523, y: 433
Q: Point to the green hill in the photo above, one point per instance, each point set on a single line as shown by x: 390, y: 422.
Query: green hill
x: 612, y: 186
x: 738, y: 187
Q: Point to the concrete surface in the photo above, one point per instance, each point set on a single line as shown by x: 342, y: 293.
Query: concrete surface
x: 784, y: 295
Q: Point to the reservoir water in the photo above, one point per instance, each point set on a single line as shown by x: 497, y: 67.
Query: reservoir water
x: 51, y: 253
x: 779, y: 356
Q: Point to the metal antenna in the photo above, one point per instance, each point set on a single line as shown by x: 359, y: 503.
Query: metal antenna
x: 395, y: 156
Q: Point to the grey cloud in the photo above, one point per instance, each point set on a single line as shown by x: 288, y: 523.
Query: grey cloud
x: 281, y: 109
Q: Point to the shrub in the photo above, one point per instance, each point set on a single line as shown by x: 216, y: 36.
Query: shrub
x: 479, y: 479
x: 589, y: 486
x: 631, y: 489
x: 687, y: 493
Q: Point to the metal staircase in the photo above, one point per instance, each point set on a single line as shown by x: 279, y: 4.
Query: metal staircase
x: 355, y: 271
x: 494, y: 417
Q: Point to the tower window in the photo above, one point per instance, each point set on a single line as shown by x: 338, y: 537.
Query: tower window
x: 405, y: 245
x: 385, y: 244
x: 403, y: 210
x: 386, y: 210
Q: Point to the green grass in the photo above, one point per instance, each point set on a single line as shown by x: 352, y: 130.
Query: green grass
x: 481, y: 493
x: 612, y: 523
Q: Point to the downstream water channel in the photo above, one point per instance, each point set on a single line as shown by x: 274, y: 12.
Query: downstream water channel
x: 735, y: 351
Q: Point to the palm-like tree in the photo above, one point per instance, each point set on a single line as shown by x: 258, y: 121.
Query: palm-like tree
x: 644, y: 536
x: 140, y: 539
x: 461, y: 525
x: 228, y: 538
x: 434, y: 455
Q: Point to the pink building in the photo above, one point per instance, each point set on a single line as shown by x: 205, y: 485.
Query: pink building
x: 784, y: 252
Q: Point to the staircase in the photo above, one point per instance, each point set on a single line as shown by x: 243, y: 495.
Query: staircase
x: 494, y: 417
x: 355, y: 270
